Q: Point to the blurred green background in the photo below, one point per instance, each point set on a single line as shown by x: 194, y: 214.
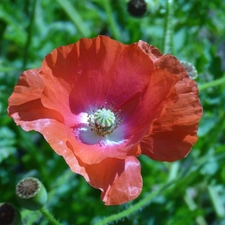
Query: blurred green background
x: 30, y: 29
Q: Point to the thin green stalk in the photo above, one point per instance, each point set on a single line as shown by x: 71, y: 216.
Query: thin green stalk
x: 75, y: 17
x: 49, y: 216
x: 112, y: 23
x: 29, y: 35
x: 168, y: 29
x: 145, y: 201
x: 171, y: 184
x: 212, y: 83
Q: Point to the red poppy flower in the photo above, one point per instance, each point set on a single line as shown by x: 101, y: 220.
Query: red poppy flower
x: 100, y: 104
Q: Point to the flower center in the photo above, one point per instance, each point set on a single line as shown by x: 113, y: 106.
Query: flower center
x: 103, y: 120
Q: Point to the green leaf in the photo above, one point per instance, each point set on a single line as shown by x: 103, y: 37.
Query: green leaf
x: 7, y: 141
x: 216, y: 201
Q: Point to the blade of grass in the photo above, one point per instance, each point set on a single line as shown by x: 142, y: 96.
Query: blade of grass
x: 212, y: 83
x: 111, y: 20
x: 29, y: 35
x: 75, y: 17
x: 216, y: 200
x: 200, y: 220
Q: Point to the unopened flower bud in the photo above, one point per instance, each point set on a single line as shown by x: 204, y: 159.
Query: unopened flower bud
x: 9, y: 215
x: 137, y: 8
x: 31, y: 193
x: 191, y: 70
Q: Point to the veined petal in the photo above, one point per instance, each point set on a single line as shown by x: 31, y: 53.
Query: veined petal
x: 28, y: 88
x: 95, y: 153
x: 92, y: 72
x: 25, y: 104
x: 150, y: 50
x: 27, y: 110
x: 119, y: 180
x: 159, y: 95
x: 60, y: 139
x: 172, y: 135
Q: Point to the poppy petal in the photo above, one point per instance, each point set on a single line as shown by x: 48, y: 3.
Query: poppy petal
x: 113, y: 72
x: 49, y: 128
x: 28, y: 88
x: 159, y: 95
x: 27, y: 111
x: 92, y: 72
x: 119, y: 180
x: 25, y: 105
x: 172, y: 135
x: 150, y: 50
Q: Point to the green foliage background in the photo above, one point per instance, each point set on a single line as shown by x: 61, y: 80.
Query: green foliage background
x: 30, y: 29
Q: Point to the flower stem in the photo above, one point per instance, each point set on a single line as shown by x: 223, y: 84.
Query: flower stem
x: 183, y: 177
x: 135, y: 207
x: 168, y: 29
x: 49, y: 216
x: 112, y: 23
x: 212, y: 83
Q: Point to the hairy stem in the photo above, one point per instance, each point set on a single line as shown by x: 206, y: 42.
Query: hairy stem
x: 168, y: 29
x: 173, y: 184
x: 145, y: 201
x: 49, y: 216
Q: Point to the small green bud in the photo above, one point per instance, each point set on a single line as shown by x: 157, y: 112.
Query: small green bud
x: 137, y: 8
x: 9, y: 215
x: 31, y: 193
x: 191, y: 70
